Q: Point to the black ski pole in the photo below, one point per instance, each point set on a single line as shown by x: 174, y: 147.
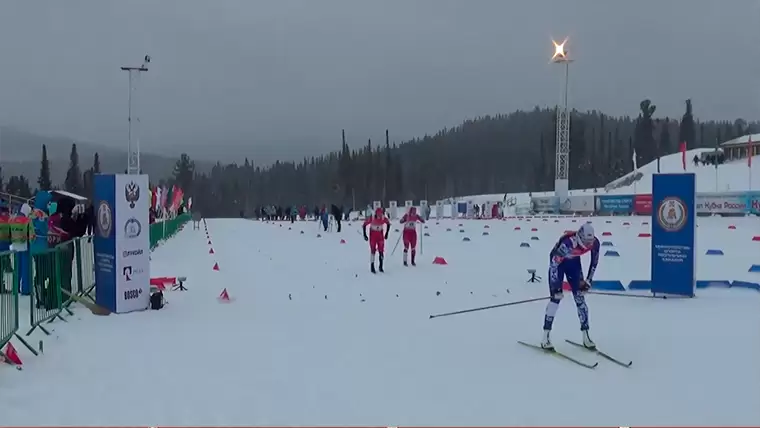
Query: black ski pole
x: 641, y: 296
x: 490, y: 307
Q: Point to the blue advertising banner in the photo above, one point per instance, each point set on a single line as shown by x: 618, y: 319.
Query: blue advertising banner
x: 673, y: 234
x: 105, y: 241
x: 615, y: 204
x: 122, y: 242
x: 753, y: 203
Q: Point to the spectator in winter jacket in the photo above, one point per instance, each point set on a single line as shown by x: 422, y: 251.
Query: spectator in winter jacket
x: 338, y: 214
x: 325, y: 217
x: 42, y: 259
x: 5, y: 228
x: 69, y: 221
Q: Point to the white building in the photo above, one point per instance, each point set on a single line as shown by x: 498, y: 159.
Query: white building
x: 738, y: 147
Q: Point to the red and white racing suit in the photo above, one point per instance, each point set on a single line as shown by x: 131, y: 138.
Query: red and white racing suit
x: 376, y: 233
x: 409, y: 235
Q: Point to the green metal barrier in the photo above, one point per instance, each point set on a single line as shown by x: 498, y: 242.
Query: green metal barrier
x: 8, y: 299
x: 164, y: 230
x: 49, y: 275
x: 9, y: 310
x: 83, y: 271
x: 70, y: 266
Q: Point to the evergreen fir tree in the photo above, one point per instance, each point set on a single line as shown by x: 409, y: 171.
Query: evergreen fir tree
x: 184, y: 170
x: 687, y: 132
x: 96, y: 164
x: 44, y: 182
x: 73, y: 181
x: 19, y: 186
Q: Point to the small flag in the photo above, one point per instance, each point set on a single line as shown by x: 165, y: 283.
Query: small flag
x: 683, y: 155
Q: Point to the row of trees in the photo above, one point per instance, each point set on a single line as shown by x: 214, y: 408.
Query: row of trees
x: 78, y: 182
x: 492, y: 154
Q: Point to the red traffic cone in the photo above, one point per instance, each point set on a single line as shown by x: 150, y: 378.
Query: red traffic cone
x: 216, y: 266
x: 439, y: 261
x: 211, y: 251
x: 12, y: 355
x: 342, y: 241
x: 224, y: 296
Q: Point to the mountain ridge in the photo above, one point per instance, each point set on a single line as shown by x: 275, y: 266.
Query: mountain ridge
x: 21, y: 154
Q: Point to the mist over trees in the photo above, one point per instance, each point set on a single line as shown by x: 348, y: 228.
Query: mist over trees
x: 505, y: 153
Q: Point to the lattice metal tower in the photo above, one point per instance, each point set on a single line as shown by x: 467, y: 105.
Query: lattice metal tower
x: 561, y: 175
x: 133, y: 139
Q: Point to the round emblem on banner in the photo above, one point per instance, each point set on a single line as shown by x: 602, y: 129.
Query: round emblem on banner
x: 132, y: 228
x: 672, y: 214
x: 105, y: 219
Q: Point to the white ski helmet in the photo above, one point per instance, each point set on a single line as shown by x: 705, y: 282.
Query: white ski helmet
x: 586, y: 234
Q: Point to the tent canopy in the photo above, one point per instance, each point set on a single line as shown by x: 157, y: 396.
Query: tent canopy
x: 59, y: 194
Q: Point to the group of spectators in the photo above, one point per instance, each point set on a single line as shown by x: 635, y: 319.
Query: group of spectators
x: 31, y: 228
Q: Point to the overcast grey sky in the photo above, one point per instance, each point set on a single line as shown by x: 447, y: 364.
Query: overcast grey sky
x: 287, y: 75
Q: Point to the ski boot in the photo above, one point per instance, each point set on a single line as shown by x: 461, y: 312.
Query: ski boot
x: 372, y: 267
x: 587, y: 342
x: 414, y: 254
x: 546, y: 343
x: 405, y: 258
x: 380, y: 268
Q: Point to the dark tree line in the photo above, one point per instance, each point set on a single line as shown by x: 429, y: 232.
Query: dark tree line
x: 78, y: 182
x: 505, y: 153
x: 493, y: 154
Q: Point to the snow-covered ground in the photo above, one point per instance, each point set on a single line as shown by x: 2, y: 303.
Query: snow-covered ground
x: 312, y: 338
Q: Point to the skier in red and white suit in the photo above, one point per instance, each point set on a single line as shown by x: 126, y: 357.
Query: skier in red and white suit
x: 376, y: 236
x: 409, y: 220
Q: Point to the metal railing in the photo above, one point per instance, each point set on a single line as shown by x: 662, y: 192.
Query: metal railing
x: 68, y: 267
x: 164, y: 230
x: 45, y: 303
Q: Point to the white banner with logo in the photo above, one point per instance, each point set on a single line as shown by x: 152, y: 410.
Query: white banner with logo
x: 393, y: 209
x: 578, y: 204
x: 131, y: 227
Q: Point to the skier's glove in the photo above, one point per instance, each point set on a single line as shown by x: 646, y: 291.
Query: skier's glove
x: 386, y: 236
x: 585, y: 286
x: 366, y: 238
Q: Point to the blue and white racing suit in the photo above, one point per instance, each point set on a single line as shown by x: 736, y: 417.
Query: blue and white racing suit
x: 565, y: 261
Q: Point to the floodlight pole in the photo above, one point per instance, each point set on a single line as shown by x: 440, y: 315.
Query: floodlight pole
x: 561, y: 175
x: 133, y: 137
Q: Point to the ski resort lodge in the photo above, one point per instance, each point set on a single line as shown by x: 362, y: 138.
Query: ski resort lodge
x: 737, y: 148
